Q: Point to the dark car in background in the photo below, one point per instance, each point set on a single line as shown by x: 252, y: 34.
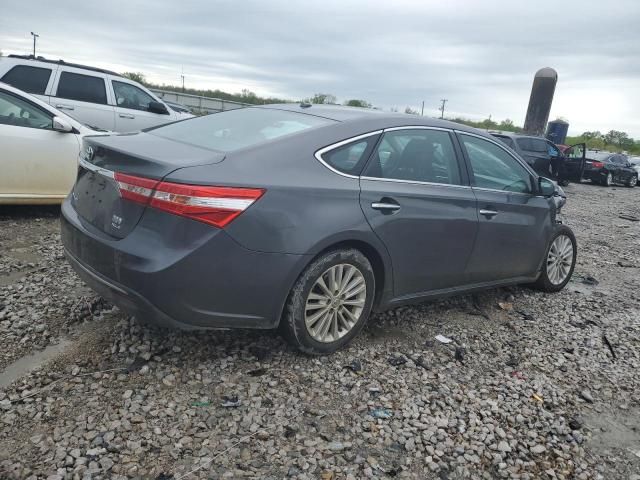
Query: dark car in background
x: 608, y: 168
x: 306, y: 218
x: 546, y: 158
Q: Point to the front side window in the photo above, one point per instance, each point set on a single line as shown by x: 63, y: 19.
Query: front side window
x: 130, y: 96
x: 418, y: 155
x: 494, y: 168
x: 235, y: 129
x: 19, y: 113
x: 84, y: 88
x: 28, y: 79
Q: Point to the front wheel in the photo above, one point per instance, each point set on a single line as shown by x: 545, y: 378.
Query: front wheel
x: 559, y: 262
x: 632, y: 182
x: 330, y: 302
x: 608, y: 180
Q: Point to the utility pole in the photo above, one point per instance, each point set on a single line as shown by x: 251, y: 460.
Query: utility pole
x: 35, y: 35
x: 182, y: 75
x: 422, y: 111
x: 444, y: 101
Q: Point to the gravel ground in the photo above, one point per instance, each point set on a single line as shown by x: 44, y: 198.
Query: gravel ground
x: 533, y: 386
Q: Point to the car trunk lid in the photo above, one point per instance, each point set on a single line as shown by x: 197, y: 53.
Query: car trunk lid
x: 97, y: 195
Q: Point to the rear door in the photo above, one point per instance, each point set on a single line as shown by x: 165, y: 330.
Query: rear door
x: 84, y: 96
x: 132, y: 107
x: 514, y: 223
x: 575, y: 161
x: 36, y: 161
x: 417, y: 200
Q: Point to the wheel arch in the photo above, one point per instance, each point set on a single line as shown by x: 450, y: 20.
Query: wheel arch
x: 375, y: 252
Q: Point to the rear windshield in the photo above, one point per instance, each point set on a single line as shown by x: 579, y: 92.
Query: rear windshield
x: 600, y: 156
x: 236, y: 129
x: 506, y: 140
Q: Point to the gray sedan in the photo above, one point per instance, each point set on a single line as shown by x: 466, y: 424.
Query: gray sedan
x: 307, y: 218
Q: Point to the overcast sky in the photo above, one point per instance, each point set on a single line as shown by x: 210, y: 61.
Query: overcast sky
x: 480, y: 55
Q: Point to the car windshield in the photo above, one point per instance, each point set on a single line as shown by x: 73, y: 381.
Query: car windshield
x: 600, y: 156
x: 236, y: 129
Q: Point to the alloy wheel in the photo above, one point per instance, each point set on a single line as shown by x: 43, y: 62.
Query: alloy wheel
x: 335, y: 303
x: 560, y: 259
x: 608, y: 180
x: 633, y: 182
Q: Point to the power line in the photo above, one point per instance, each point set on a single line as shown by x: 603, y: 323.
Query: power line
x: 444, y: 101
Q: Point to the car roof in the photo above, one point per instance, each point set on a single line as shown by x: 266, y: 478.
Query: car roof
x: 371, y: 116
x: 31, y: 58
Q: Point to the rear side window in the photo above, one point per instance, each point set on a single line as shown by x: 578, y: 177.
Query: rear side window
x: 28, y: 79
x: 241, y: 128
x: 418, y: 155
x: 84, y: 88
x: 532, y: 145
x: 349, y: 158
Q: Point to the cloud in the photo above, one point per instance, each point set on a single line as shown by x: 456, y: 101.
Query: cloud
x: 481, y: 56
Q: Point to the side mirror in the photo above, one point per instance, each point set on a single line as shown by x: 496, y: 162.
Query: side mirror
x: 158, y: 107
x: 546, y: 187
x: 61, y: 125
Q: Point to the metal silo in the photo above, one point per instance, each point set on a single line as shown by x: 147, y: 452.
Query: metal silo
x: 557, y: 131
x: 544, y: 86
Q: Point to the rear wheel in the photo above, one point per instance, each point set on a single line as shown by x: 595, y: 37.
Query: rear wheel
x: 632, y: 182
x: 559, y: 262
x: 330, y: 302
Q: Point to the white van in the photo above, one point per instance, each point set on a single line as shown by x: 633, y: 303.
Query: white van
x: 92, y: 96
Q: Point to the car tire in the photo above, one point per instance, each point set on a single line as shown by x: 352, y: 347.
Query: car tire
x: 548, y: 281
x: 608, y: 180
x: 313, y: 293
x: 632, y: 182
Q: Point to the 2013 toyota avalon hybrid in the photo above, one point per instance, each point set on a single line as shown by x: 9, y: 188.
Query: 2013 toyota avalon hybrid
x: 307, y: 218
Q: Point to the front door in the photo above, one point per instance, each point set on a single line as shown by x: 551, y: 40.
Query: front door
x: 36, y: 161
x: 416, y: 198
x: 132, y: 108
x: 514, y: 222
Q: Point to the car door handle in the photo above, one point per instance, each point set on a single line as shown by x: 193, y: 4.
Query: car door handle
x: 64, y: 107
x: 488, y: 213
x: 127, y: 115
x: 385, y: 206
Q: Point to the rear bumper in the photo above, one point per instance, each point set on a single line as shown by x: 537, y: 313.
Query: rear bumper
x: 596, y: 175
x: 180, y: 273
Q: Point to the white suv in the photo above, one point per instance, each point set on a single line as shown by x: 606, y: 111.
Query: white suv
x: 92, y: 96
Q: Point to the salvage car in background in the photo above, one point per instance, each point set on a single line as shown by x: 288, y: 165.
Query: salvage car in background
x: 635, y: 164
x: 546, y: 158
x: 307, y: 218
x: 607, y: 168
x: 93, y: 96
x: 39, y: 149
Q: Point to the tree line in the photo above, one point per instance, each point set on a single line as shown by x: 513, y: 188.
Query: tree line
x: 614, y: 140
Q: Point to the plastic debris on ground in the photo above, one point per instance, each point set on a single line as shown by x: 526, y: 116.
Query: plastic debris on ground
x: 443, y: 339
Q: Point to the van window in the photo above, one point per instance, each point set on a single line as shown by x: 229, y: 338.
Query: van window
x: 130, y: 96
x: 84, y: 88
x: 28, y: 79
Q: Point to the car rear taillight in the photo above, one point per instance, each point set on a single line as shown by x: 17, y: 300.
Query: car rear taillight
x: 597, y: 164
x: 216, y: 206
